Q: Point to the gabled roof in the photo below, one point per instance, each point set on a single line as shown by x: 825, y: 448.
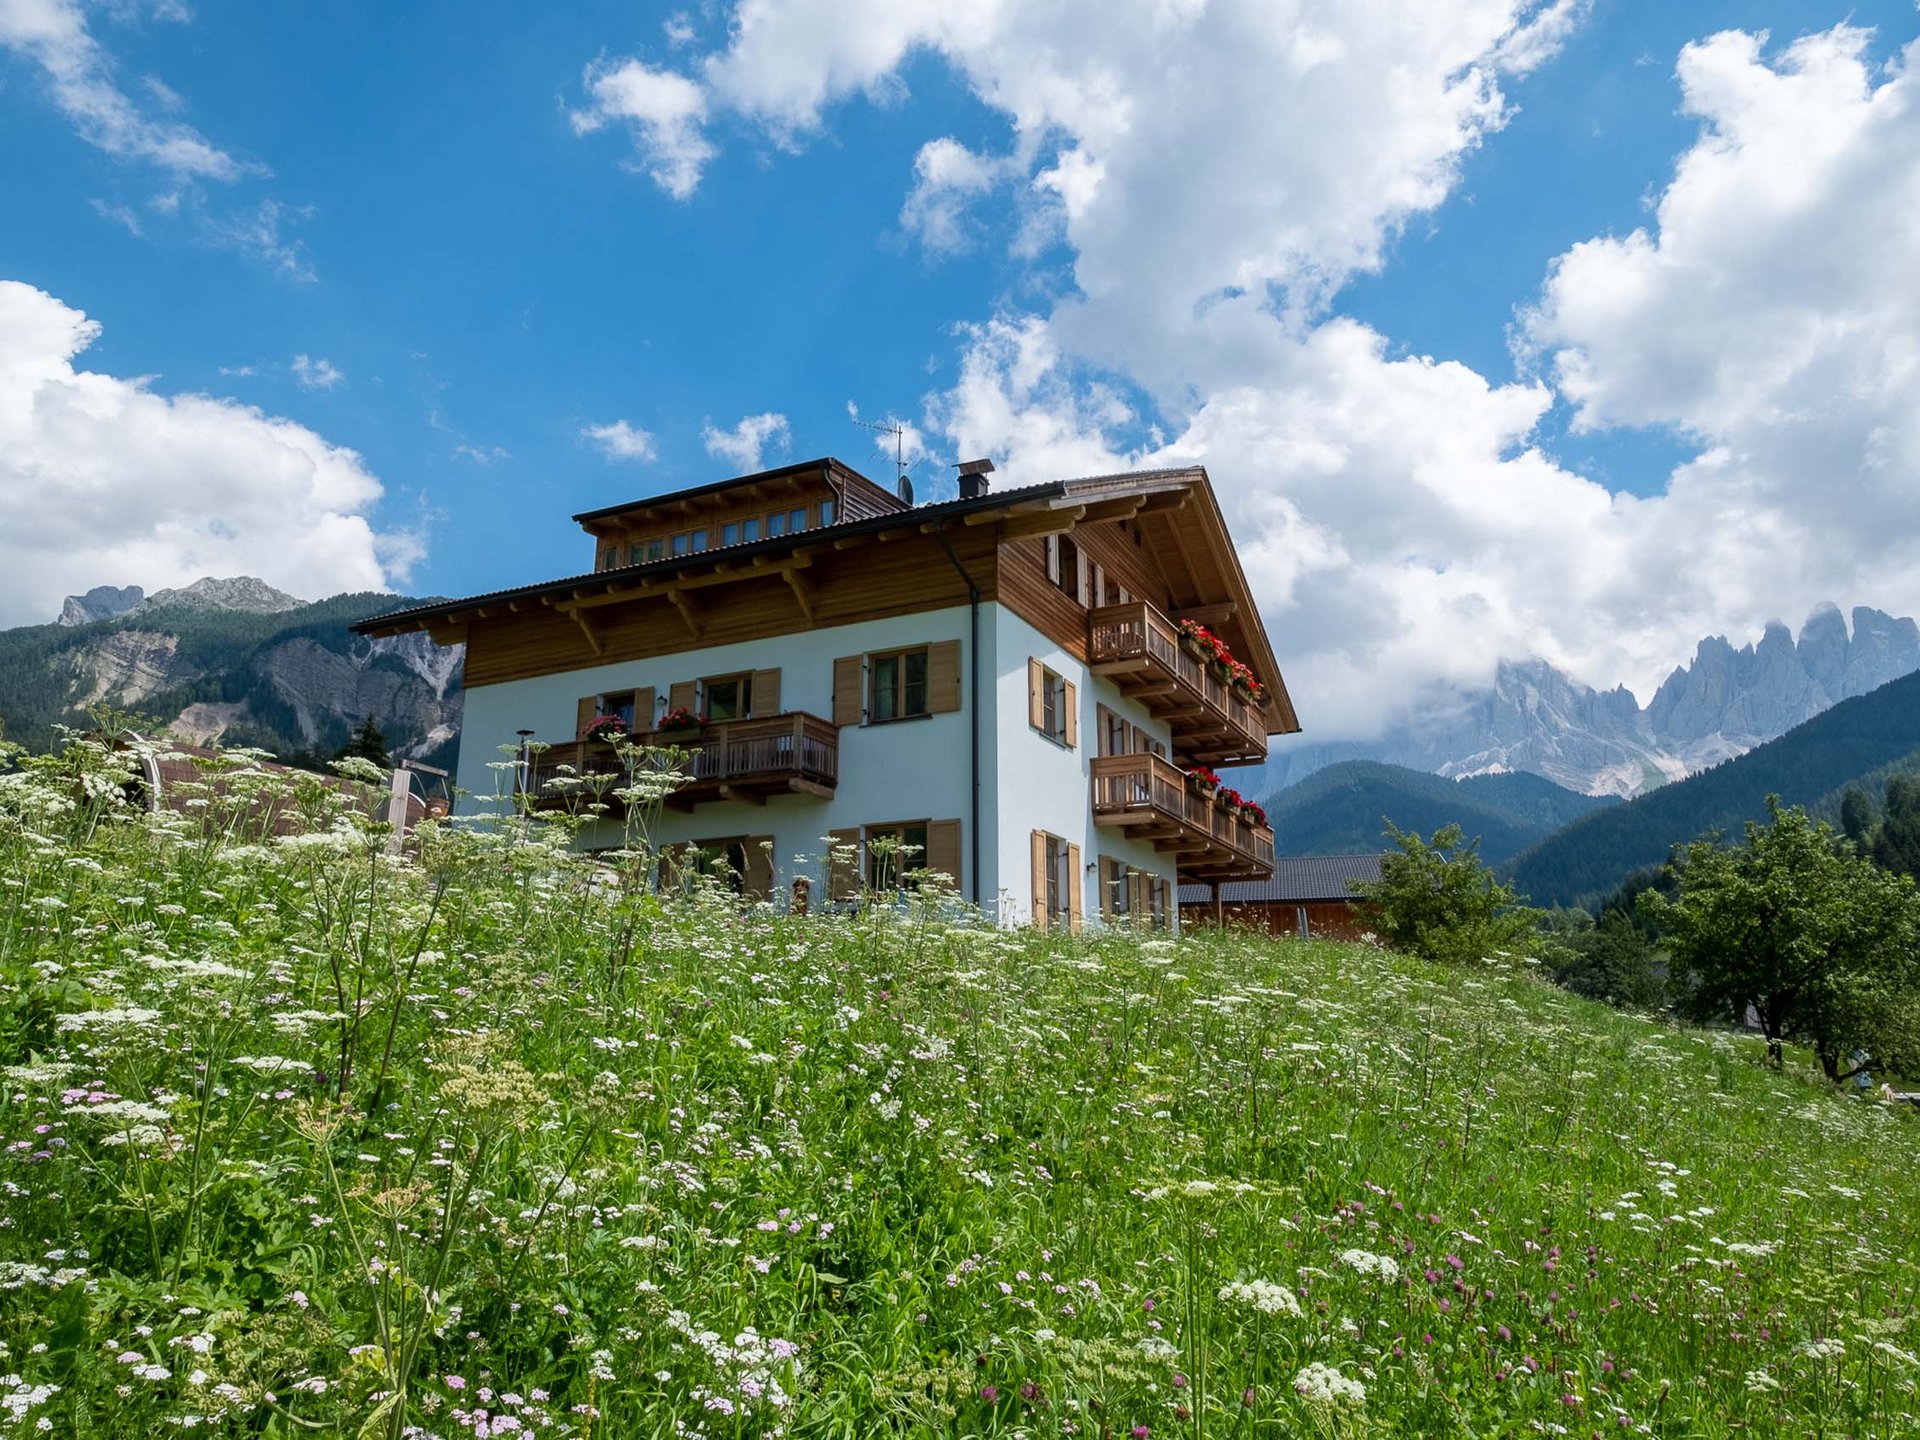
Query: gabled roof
x: 1297, y: 880
x: 825, y: 465
x: 1190, y: 540
x: 419, y: 617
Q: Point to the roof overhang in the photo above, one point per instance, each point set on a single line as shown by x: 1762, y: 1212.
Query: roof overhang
x: 767, y: 557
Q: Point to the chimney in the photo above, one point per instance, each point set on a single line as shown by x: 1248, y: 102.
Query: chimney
x: 973, y: 478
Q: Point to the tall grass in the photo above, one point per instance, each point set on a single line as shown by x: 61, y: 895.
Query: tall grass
x: 300, y: 1139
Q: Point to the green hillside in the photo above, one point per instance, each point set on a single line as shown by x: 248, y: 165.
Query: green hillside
x: 1857, y: 738
x: 218, y: 657
x: 1339, y: 810
x: 685, y: 1167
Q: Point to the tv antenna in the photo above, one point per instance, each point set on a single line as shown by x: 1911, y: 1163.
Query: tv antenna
x: 903, y: 478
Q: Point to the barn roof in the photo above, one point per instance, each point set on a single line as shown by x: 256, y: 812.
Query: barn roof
x: 1297, y: 880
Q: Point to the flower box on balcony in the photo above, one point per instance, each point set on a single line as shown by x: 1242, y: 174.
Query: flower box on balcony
x: 680, y: 724
x: 605, y: 730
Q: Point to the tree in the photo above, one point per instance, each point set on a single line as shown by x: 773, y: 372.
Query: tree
x: 1790, y: 925
x: 1857, y: 818
x: 368, y: 743
x: 1896, y: 846
x: 1614, y: 962
x: 1439, y: 899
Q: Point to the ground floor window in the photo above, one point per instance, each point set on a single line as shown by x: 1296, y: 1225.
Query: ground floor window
x: 894, y: 854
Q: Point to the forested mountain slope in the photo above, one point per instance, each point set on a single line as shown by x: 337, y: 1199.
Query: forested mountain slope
x: 1340, y: 810
x: 1856, y: 738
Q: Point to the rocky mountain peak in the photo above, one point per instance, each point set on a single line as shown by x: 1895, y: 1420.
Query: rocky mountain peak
x: 240, y: 592
x: 1728, y: 700
x: 103, y: 602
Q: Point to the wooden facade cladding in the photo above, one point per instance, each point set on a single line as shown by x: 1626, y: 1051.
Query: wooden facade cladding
x: 1155, y: 538
x: 836, y: 586
x: 794, y: 490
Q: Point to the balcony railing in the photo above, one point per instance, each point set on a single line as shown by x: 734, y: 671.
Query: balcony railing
x: 1140, y: 650
x: 1151, y: 798
x: 791, y: 753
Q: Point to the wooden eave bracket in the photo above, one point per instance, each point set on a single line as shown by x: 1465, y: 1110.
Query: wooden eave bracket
x: 802, y: 591
x: 587, y: 629
x: 689, y: 612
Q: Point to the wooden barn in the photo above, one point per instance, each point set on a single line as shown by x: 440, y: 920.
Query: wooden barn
x: 1308, y: 895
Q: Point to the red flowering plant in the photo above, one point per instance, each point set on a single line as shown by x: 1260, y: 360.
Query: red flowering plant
x: 1253, y: 814
x: 681, y: 718
x: 1208, y: 643
x: 1215, y: 652
x: 606, y: 727
x: 1229, y: 798
x: 1202, y: 779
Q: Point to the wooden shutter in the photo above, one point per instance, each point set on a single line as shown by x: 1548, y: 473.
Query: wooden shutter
x: 843, y: 874
x: 1040, y: 879
x: 1072, y: 703
x: 766, y: 692
x: 683, y: 695
x: 643, y: 716
x: 943, y: 677
x: 1075, y: 884
x: 846, y: 689
x: 1036, y: 695
x: 583, y: 714
x: 757, y: 882
x: 943, y: 849
x: 1137, y: 899
x: 1106, y: 885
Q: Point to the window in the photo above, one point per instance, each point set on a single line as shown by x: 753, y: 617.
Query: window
x: 699, y: 539
x: 1116, y: 734
x: 892, y: 852
x: 797, y: 519
x: 1050, y: 704
x: 750, y: 529
x: 826, y: 512
x: 620, y: 706
x: 682, y: 543
x: 898, y: 681
x: 1059, y: 880
x: 729, y: 697
x: 776, y: 524
x: 730, y: 533
x: 1067, y: 576
x: 1116, y: 888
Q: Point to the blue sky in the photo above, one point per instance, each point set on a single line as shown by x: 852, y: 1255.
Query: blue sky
x: 477, y: 277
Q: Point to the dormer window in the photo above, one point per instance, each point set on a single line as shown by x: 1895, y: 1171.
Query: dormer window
x: 826, y: 512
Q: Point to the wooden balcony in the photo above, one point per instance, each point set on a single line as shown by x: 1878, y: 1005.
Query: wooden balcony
x: 1149, y: 797
x: 1139, y: 649
x: 789, y: 754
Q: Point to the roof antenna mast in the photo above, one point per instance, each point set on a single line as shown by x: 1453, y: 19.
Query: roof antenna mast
x: 903, y: 481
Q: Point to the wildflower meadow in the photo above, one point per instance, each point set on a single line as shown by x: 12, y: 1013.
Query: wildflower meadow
x: 299, y: 1136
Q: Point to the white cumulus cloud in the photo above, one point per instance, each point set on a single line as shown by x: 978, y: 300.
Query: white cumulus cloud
x: 665, y: 112
x: 620, y: 441
x: 106, y: 481
x: 1218, y: 170
x: 744, y: 443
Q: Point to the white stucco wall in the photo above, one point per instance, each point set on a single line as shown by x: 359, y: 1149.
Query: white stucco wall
x: 904, y: 770
x: 1041, y: 785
